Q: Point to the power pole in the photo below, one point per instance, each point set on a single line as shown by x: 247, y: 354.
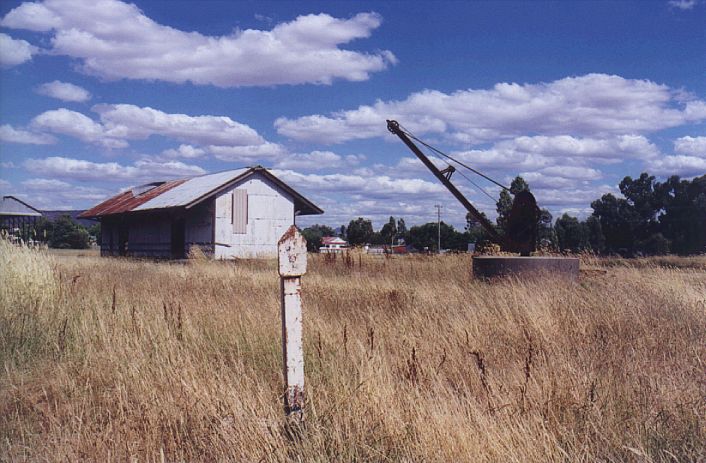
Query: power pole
x: 438, y: 227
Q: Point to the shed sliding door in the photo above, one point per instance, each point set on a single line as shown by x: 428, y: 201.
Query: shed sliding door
x: 240, y: 211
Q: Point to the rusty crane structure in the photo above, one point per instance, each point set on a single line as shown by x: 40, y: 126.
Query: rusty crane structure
x: 520, y: 235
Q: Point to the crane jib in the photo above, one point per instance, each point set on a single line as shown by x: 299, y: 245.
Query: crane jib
x: 394, y: 127
x: 521, y: 234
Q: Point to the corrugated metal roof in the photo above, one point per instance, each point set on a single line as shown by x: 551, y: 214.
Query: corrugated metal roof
x: 191, y: 190
x: 9, y: 205
x: 127, y: 201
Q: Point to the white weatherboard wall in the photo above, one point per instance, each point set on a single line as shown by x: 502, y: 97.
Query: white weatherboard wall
x: 270, y: 211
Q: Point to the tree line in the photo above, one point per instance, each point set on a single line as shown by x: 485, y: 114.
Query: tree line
x: 651, y: 218
x: 65, y: 233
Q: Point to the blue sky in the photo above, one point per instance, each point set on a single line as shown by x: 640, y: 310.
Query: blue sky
x: 99, y: 96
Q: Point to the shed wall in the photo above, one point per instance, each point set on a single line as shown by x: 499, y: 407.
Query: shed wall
x: 150, y: 234
x: 270, y: 211
x: 199, y: 227
x: 109, y: 237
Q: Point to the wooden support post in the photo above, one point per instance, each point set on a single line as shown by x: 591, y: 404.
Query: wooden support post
x: 292, y: 265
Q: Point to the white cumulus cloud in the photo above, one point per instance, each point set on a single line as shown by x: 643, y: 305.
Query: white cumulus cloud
x: 15, y: 51
x: 686, y: 166
x: 74, y: 124
x: 368, y: 186
x: 683, y: 5
x: 318, y: 160
x: 64, y: 91
x: 118, y: 123
x: 115, y: 40
x: 692, y: 146
x: 78, y: 169
x: 50, y: 193
x: 135, y: 122
x: 588, y: 105
x: 12, y: 135
x: 184, y: 151
x: 247, y: 154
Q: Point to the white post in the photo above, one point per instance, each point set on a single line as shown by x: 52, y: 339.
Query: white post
x: 292, y: 265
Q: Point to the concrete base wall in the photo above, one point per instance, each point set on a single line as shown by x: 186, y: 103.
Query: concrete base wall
x: 487, y: 267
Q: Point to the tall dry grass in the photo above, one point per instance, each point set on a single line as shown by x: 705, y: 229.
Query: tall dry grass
x: 407, y: 359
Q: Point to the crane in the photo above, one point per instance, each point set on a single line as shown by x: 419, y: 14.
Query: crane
x: 521, y: 233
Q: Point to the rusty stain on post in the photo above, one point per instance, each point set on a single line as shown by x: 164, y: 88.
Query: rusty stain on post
x: 292, y: 265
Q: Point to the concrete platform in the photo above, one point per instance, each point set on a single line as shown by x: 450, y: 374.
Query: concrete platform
x: 487, y: 267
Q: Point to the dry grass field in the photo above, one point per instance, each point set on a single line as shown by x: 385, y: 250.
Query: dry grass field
x: 408, y: 359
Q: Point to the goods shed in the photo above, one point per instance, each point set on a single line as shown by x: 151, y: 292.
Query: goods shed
x: 233, y: 214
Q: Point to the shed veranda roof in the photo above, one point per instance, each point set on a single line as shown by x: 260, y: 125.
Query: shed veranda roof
x: 188, y: 192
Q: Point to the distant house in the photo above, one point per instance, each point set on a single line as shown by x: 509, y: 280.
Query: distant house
x: 332, y: 244
x: 17, y: 218
x: 236, y: 213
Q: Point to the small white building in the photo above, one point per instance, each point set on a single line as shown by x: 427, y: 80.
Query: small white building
x: 333, y: 244
x: 237, y: 213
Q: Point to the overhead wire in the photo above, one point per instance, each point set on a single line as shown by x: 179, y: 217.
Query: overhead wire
x: 441, y: 153
x: 476, y: 185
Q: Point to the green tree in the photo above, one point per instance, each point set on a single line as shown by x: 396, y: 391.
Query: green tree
x: 401, y: 229
x: 571, y: 234
x: 618, y: 220
x: 43, y: 228
x: 360, y: 231
x: 67, y: 234
x: 594, y: 234
x: 314, y: 234
x: 682, y: 213
x: 388, y: 232
x: 475, y: 232
x: 546, y: 235
x: 503, y: 207
x: 640, y: 194
x: 426, y: 237
x: 95, y: 231
x: 504, y: 204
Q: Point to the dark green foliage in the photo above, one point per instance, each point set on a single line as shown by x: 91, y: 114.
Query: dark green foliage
x: 682, y: 216
x: 425, y: 237
x: 64, y: 233
x: 360, y: 231
x: 95, y: 232
x: 594, y: 231
x: 654, y: 245
x: 654, y: 218
x: 571, y: 234
x: 504, y: 204
x: 503, y: 207
x: 546, y: 236
x: 388, y: 232
x: 401, y: 228
x: 619, y: 222
x: 314, y: 234
x: 475, y: 231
